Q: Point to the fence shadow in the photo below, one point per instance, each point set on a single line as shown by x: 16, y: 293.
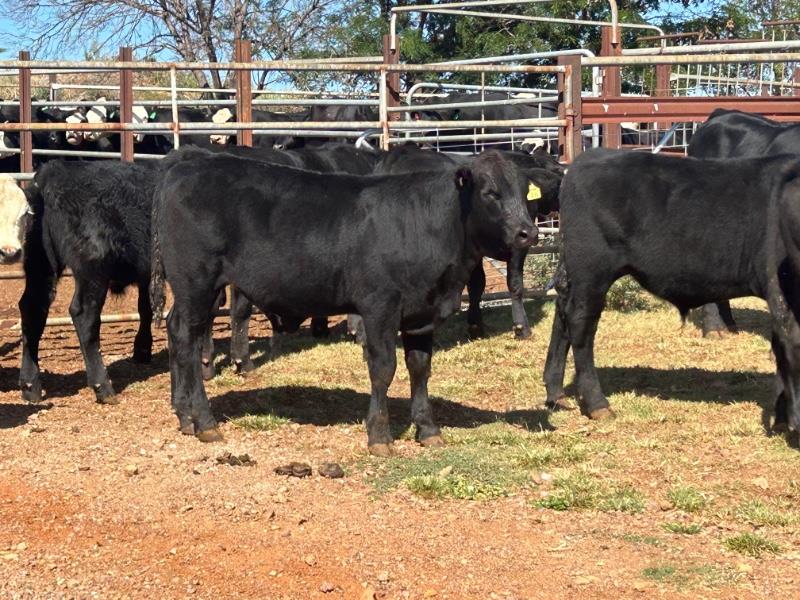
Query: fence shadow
x: 342, y: 406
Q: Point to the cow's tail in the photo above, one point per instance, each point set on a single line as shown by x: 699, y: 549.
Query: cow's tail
x: 158, y: 276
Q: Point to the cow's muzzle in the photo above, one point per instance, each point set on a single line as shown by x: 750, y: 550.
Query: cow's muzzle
x: 9, y: 254
x: 525, y: 237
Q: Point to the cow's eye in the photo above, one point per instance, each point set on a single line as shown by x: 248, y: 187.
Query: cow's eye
x: 492, y: 195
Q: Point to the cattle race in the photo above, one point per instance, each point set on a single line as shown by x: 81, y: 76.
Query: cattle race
x: 476, y: 299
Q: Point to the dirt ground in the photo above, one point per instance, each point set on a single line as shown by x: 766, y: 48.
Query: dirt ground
x: 112, y: 502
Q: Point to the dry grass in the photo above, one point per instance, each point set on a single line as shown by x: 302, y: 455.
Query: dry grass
x: 689, y: 437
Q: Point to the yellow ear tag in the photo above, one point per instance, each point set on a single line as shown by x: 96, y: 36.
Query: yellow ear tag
x: 534, y: 193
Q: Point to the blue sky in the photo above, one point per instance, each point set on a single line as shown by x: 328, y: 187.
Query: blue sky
x: 9, y: 31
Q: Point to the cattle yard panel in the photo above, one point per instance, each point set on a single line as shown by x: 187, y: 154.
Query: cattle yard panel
x: 389, y: 111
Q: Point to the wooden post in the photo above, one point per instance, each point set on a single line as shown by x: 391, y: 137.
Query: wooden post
x: 612, y: 87
x: 392, y: 57
x: 570, y: 140
x: 126, y: 104
x: 242, y: 51
x: 25, y: 116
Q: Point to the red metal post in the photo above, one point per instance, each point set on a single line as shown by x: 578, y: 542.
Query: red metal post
x: 662, y: 90
x: 25, y: 116
x: 392, y: 57
x: 612, y: 87
x: 126, y: 104
x: 568, y: 152
x: 244, y: 95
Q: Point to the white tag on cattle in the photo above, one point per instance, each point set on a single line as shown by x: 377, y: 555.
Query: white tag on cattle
x: 534, y: 192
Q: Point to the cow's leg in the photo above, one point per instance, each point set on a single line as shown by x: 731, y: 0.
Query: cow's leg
x: 241, y: 311
x: 186, y: 329
x: 514, y: 277
x: 381, y: 334
x: 781, y: 423
x: 207, y: 350
x: 581, y: 298
x: 40, y: 288
x: 319, y: 327
x: 726, y: 314
x: 85, y: 308
x: 143, y: 343
x: 475, y: 287
x: 418, y: 350
x: 582, y: 326
x: 556, y: 363
x: 718, y: 318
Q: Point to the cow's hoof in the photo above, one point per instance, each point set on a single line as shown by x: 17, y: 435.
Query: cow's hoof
x: 381, y: 450
x: 715, y: 333
x: 434, y: 441
x: 210, y: 435
x: 104, y: 393
x: 187, y: 428
x: 32, y: 392
x: 475, y: 332
x: 602, y: 414
x: 521, y: 333
x: 143, y: 357
x: 560, y: 403
x: 207, y: 370
x: 780, y: 427
x: 243, y: 366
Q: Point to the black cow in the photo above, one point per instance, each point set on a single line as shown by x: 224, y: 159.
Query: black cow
x: 647, y: 215
x: 94, y: 218
x: 334, y: 113
x: 328, y: 158
x: 544, y: 177
x: 475, y: 112
x: 279, y: 142
x: 737, y: 134
x: 395, y: 249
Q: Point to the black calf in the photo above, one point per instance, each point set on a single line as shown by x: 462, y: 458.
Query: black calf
x: 94, y: 218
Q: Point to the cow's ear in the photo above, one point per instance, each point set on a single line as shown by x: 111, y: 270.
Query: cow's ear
x: 463, y: 178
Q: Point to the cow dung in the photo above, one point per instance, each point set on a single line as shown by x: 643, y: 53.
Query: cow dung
x: 331, y: 470
x: 295, y: 469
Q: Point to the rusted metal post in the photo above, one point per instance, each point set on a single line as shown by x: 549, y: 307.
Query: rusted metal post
x: 126, y: 104
x: 662, y: 90
x: 244, y: 96
x: 392, y: 57
x: 570, y: 141
x: 612, y: 87
x: 25, y: 116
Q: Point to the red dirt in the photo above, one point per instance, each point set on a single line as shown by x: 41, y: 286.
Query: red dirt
x: 78, y: 524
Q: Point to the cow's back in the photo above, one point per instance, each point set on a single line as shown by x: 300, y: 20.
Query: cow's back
x: 732, y: 134
x: 318, y: 239
x: 97, y: 215
x: 676, y: 223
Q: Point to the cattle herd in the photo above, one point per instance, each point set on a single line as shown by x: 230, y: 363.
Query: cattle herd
x: 392, y: 238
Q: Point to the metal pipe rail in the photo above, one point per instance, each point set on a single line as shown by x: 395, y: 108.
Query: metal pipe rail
x: 278, y: 65
x: 477, y: 104
x: 614, y: 24
x: 711, y: 48
x: 627, y: 60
